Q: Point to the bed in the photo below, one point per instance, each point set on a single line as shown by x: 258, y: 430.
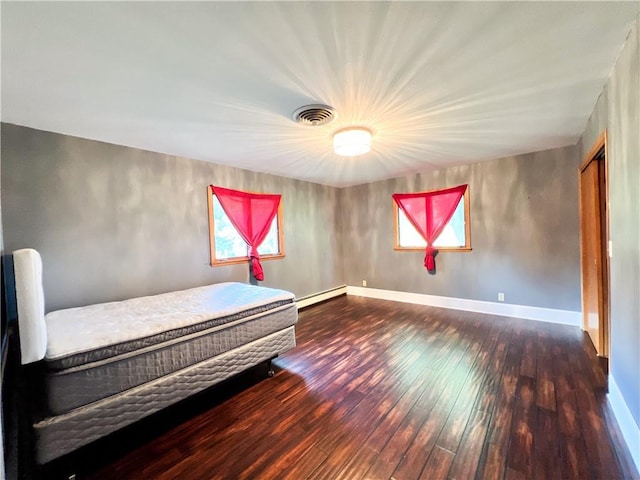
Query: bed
x: 105, y: 366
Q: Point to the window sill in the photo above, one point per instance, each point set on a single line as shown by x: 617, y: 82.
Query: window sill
x: 239, y: 260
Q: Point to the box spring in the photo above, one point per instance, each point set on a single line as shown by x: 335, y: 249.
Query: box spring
x: 56, y: 436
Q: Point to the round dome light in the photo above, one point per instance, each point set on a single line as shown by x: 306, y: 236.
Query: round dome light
x: 352, y: 141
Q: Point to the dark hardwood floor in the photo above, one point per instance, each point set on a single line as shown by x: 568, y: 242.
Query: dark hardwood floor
x: 383, y: 390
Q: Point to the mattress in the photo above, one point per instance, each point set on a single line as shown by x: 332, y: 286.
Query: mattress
x: 61, y: 434
x: 102, y: 350
x: 88, y: 334
x: 83, y: 384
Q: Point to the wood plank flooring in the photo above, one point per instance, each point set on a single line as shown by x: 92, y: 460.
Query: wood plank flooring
x: 385, y: 390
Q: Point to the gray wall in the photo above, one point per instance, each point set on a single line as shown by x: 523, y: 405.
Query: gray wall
x: 618, y: 110
x: 113, y: 222
x: 524, y: 233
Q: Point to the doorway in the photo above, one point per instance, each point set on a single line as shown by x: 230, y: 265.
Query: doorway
x: 594, y: 245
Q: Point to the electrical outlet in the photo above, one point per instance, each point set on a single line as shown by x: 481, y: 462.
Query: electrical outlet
x: 500, y: 297
x: 364, y: 283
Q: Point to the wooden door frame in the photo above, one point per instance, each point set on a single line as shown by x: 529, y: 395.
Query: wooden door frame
x: 604, y: 277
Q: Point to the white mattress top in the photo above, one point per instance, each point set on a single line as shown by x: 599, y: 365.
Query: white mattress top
x: 82, y: 329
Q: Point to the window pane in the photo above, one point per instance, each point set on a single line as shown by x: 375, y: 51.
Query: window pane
x: 229, y: 243
x: 409, y: 236
x: 453, y: 234
x: 270, y: 244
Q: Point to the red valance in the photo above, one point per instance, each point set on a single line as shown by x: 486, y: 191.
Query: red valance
x: 251, y: 214
x: 429, y: 213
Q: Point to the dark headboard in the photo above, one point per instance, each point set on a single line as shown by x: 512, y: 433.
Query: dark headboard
x: 10, y: 368
x: 9, y: 308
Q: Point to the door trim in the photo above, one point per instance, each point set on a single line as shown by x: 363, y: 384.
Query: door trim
x: 595, y: 148
x: 604, y: 277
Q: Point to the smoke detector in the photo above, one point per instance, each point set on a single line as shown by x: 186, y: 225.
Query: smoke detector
x: 315, y: 115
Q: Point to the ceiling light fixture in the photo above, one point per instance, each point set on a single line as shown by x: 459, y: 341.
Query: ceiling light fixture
x: 352, y: 141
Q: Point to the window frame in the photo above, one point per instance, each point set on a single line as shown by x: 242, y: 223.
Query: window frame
x: 467, y: 227
x: 216, y: 262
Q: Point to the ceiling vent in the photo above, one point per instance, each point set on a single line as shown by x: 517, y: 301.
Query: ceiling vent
x: 314, y: 115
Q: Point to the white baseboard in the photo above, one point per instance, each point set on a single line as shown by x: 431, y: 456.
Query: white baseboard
x: 628, y: 427
x: 565, y: 317
x: 320, y: 296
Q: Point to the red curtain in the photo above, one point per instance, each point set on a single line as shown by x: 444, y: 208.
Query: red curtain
x: 251, y: 214
x: 430, y: 212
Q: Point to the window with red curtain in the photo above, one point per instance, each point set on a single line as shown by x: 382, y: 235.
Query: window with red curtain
x: 437, y: 220
x: 244, y: 227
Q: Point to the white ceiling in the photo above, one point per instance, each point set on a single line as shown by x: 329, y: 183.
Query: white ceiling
x: 440, y: 84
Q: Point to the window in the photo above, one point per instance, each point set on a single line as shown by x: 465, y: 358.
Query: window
x: 455, y: 236
x: 226, y: 244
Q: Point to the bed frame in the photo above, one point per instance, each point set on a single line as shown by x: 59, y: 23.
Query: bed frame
x: 55, y: 435
x: 10, y: 374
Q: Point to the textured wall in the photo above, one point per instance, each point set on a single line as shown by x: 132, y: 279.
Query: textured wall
x: 619, y: 112
x: 524, y: 233
x: 113, y: 222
